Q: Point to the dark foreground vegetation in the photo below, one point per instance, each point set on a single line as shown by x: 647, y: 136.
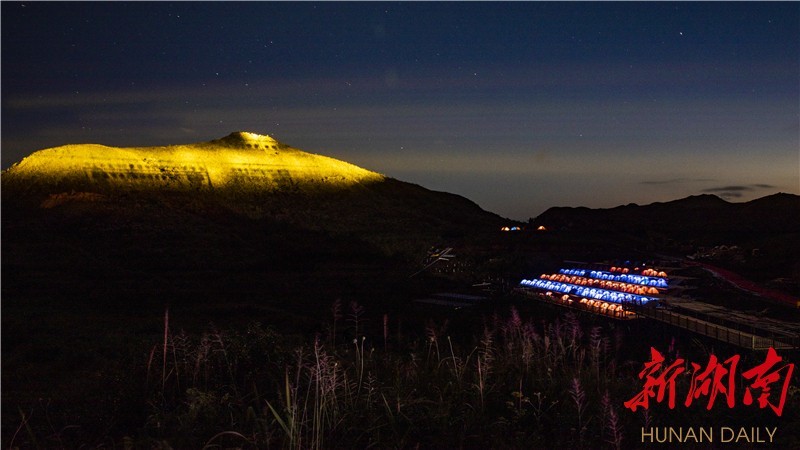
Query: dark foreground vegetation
x: 512, y: 378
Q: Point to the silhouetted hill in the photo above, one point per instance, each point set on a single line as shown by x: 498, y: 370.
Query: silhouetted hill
x: 765, y: 232
x: 705, y: 218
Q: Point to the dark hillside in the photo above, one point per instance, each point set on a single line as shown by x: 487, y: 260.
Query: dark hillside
x: 760, y: 238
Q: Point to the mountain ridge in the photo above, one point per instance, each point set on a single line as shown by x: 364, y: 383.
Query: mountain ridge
x: 245, y: 176
x: 239, y: 161
x: 669, y: 214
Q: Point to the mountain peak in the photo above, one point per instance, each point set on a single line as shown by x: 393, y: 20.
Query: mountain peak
x: 701, y: 200
x: 246, y: 139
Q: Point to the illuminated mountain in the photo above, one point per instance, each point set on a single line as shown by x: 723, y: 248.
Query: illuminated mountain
x: 240, y: 161
x: 239, y: 178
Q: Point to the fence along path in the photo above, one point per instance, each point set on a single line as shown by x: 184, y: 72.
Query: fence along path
x: 719, y: 332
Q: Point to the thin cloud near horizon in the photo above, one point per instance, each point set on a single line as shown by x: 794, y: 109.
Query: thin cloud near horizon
x: 737, y: 191
x: 740, y: 188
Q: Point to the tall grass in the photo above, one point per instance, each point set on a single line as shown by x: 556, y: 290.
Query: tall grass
x: 521, y: 382
x: 514, y: 385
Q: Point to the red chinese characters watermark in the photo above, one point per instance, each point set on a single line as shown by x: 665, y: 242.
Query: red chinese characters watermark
x: 716, y: 379
x: 763, y: 376
x: 656, y: 378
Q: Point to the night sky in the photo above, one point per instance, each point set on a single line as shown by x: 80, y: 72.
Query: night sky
x: 517, y: 106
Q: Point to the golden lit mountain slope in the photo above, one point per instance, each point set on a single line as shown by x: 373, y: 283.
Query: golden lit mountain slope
x: 239, y: 161
x: 238, y: 179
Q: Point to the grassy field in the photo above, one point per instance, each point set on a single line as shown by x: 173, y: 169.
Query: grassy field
x: 347, y: 374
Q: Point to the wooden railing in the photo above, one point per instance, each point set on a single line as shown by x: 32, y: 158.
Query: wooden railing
x: 716, y: 331
x: 719, y: 332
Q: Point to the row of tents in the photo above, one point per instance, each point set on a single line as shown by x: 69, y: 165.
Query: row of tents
x: 649, y: 277
x: 588, y: 292
x: 606, y: 284
x: 630, y: 278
